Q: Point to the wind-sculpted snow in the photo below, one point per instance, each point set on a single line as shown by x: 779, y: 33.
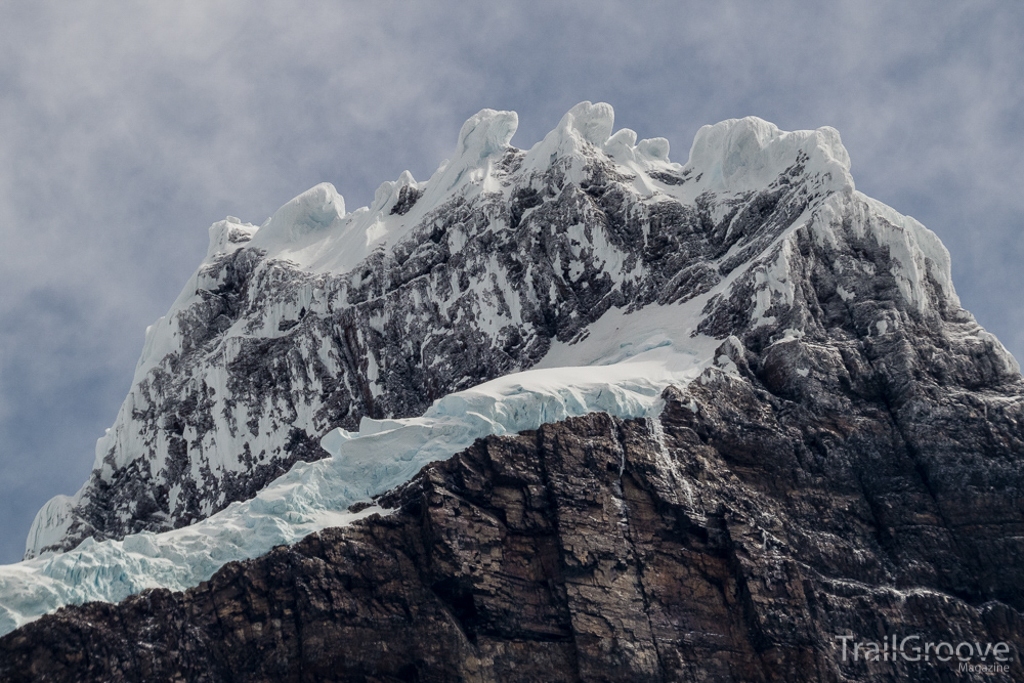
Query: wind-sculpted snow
x: 313, y: 496
x: 502, y: 260
x: 829, y: 433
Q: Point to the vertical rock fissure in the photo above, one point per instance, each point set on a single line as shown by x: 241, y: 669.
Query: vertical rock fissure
x: 425, y: 571
x: 295, y: 561
x: 758, y: 639
x: 630, y: 538
x: 556, y: 523
x: 914, y: 455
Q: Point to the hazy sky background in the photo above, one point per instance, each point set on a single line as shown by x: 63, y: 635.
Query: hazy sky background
x: 126, y: 128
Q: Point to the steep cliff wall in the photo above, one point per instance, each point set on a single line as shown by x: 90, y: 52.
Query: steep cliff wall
x: 838, y: 453
x: 736, y: 538
x: 321, y: 317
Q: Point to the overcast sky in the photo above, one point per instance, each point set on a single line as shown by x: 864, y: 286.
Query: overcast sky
x: 126, y: 128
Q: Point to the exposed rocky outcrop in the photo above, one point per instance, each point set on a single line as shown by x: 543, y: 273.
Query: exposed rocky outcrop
x: 282, y: 335
x: 734, y: 539
x: 850, y: 463
x: 320, y: 318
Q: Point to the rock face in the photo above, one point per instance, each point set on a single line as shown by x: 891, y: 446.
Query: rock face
x: 849, y: 468
x: 318, y: 317
x: 733, y: 539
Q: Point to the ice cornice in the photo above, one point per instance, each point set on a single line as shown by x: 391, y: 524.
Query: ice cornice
x: 585, y: 132
x: 314, y: 212
x: 227, y: 235
x: 749, y: 153
x: 483, y: 139
x: 731, y: 157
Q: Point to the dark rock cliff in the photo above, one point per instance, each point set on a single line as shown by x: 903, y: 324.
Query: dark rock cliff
x: 734, y: 539
x: 263, y: 353
x: 848, y: 469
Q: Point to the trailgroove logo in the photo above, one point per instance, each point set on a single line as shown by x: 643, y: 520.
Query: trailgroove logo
x: 972, y: 657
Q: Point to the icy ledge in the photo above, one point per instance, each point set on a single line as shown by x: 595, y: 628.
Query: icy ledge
x: 625, y: 381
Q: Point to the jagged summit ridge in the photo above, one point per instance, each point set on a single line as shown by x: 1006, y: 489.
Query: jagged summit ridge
x: 804, y: 433
x: 503, y: 259
x: 734, y: 155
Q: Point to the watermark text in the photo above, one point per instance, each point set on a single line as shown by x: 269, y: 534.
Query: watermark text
x: 973, y: 657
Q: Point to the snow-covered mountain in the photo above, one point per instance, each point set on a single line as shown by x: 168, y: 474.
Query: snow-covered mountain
x: 512, y: 289
x: 321, y: 317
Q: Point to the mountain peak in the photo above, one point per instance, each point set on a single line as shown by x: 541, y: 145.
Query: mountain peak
x: 750, y: 152
x: 485, y: 134
x: 591, y: 122
x: 731, y: 157
x: 511, y: 288
x: 586, y: 131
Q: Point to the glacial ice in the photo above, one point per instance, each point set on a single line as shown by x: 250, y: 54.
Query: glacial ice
x: 625, y: 380
x: 750, y: 153
x: 315, y: 210
x: 620, y: 367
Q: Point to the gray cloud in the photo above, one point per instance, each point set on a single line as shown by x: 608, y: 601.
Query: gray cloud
x: 127, y: 128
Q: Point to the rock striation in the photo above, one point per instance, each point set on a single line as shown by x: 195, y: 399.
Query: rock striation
x: 320, y: 317
x: 735, y: 538
x: 847, y: 467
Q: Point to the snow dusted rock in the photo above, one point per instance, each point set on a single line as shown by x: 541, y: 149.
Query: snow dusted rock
x: 805, y: 435
x: 310, y: 497
x: 736, y: 537
x: 503, y: 259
